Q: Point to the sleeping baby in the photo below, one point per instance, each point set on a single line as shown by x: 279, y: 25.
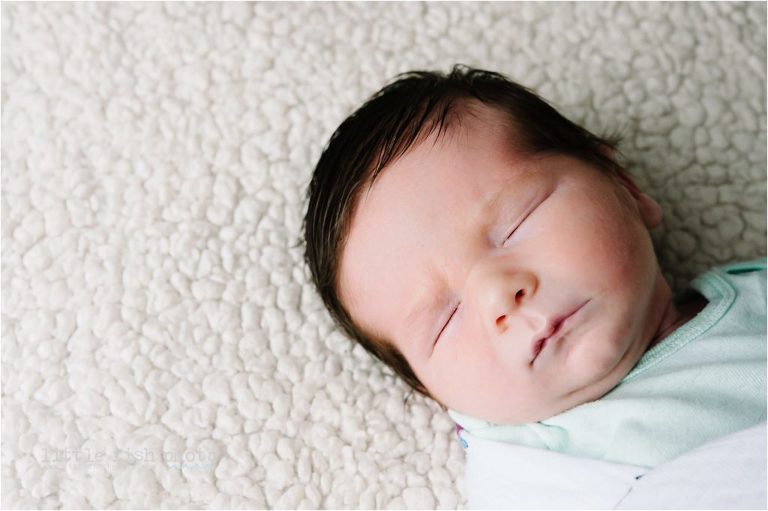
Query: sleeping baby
x: 498, y: 257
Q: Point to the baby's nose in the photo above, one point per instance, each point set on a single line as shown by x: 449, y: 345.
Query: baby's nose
x: 499, y: 291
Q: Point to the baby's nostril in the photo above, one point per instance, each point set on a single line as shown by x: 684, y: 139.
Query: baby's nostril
x: 520, y: 294
x: 500, y: 320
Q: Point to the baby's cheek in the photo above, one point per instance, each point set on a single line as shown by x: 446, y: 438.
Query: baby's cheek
x: 598, y: 353
x: 465, y: 379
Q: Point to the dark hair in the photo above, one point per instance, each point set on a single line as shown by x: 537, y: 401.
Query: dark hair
x: 383, y: 129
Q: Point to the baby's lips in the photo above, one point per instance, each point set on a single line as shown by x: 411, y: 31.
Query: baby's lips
x: 552, y: 329
x: 540, y: 340
x: 537, y: 347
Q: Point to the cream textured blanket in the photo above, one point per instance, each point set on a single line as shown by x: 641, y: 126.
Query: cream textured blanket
x: 161, y: 343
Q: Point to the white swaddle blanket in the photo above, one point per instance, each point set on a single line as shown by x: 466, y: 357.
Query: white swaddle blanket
x: 727, y: 473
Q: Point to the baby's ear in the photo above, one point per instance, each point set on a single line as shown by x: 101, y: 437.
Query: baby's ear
x: 649, y: 209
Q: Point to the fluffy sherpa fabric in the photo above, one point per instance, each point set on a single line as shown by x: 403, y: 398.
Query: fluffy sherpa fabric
x: 161, y: 343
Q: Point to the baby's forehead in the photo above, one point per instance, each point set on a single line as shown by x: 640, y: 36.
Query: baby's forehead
x: 424, y: 190
x: 462, y: 118
x: 470, y: 115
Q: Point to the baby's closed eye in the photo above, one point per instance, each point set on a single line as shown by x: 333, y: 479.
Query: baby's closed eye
x: 514, y: 228
x: 453, y: 313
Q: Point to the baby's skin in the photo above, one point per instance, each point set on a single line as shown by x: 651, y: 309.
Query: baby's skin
x: 516, y: 286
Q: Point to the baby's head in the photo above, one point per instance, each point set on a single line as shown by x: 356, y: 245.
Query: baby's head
x: 456, y: 222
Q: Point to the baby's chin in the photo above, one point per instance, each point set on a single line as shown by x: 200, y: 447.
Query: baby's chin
x: 513, y: 417
x: 502, y: 411
x: 590, y: 386
x: 512, y: 414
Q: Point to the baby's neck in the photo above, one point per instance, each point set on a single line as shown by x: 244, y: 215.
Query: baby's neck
x: 688, y: 305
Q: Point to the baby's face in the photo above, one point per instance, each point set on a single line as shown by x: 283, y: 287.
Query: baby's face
x: 430, y: 264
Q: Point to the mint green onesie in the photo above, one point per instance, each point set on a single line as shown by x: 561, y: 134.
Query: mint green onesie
x: 705, y: 380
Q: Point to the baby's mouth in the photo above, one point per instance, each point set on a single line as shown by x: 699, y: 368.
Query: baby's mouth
x: 541, y: 343
x: 537, y: 348
x: 554, y: 331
